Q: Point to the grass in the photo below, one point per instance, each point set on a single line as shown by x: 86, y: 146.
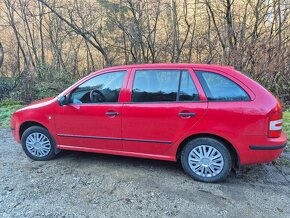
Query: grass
x: 7, y: 108
x: 286, y: 123
x: 286, y: 127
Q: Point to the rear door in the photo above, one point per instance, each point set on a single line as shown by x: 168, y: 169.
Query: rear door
x: 164, y: 104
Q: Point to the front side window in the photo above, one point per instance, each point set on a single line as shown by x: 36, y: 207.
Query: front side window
x: 163, y: 86
x: 104, y: 88
x: 221, y: 88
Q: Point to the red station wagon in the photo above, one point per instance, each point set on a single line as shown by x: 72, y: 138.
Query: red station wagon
x: 210, y: 118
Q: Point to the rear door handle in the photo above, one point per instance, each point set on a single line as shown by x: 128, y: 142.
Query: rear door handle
x: 186, y: 114
x: 112, y: 113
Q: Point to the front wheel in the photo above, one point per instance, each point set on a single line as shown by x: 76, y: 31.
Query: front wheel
x: 206, y: 160
x: 38, y: 144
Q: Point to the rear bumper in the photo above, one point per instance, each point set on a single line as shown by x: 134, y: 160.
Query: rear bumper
x: 269, y: 147
x: 261, y: 149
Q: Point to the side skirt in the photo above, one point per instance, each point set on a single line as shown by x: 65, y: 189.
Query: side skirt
x: 115, y: 152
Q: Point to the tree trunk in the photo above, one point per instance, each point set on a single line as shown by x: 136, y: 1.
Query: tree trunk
x: 1, y: 54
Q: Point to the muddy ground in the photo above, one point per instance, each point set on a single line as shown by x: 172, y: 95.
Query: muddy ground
x: 77, y: 184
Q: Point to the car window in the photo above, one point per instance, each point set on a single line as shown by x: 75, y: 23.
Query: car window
x: 188, y: 91
x: 163, y: 86
x: 221, y: 88
x: 99, y: 89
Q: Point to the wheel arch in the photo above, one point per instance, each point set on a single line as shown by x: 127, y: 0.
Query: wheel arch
x: 229, y: 145
x: 25, y: 125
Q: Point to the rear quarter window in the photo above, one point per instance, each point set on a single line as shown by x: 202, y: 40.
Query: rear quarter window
x: 220, y: 88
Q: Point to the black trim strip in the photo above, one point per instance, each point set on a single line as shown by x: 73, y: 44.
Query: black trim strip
x: 91, y: 137
x: 145, y: 140
x: 257, y: 147
x: 179, y: 82
x: 111, y: 138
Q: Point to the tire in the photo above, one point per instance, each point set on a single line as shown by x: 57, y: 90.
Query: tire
x: 206, y: 160
x: 38, y: 144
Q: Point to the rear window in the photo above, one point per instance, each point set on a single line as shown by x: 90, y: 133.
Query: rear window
x: 221, y: 88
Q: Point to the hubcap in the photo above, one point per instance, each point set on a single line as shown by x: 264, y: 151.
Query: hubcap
x: 38, y: 144
x: 205, y: 161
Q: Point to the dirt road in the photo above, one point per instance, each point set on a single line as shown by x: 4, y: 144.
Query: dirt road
x: 93, y: 185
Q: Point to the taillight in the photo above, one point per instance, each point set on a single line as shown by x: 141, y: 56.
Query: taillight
x: 275, y: 125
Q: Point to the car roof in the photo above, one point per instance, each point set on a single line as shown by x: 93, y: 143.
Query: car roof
x: 164, y: 65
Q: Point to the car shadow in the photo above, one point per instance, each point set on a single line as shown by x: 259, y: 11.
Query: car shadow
x: 86, y: 158
x: 251, y: 174
x: 256, y: 174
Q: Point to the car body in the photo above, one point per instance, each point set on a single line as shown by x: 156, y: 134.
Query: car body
x: 145, y: 117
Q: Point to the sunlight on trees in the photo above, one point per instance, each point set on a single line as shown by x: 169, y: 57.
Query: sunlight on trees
x: 76, y: 37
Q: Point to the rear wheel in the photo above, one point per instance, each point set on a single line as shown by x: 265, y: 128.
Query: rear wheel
x: 38, y: 144
x: 206, y: 160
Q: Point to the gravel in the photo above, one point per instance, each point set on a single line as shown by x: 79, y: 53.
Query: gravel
x: 78, y: 184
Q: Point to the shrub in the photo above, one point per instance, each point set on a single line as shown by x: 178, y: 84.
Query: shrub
x: 6, y: 86
x: 46, y: 82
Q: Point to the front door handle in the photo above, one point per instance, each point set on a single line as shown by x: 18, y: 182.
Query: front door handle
x: 186, y: 114
x: 112, y: 113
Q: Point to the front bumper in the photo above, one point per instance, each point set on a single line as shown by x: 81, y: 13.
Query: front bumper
x: 15, y: 135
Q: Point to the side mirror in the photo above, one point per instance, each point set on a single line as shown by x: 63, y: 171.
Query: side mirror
x: 63, y: 100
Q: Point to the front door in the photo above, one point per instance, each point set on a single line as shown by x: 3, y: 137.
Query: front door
x: 164, y: 105
x: 92, y: 118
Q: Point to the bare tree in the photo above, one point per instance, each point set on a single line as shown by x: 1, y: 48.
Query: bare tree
x: 90, y: 37
x: 1, y: 55
x: 56, y: 39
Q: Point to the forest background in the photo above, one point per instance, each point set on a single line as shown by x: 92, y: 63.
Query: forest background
x: 46, y: 45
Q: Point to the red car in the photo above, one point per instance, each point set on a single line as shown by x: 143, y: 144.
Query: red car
x: 210, y: 118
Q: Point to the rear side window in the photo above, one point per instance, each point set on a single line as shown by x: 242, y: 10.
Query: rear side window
x: 163, y: 86
x: 220, y: 88
x: 187, y: 91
